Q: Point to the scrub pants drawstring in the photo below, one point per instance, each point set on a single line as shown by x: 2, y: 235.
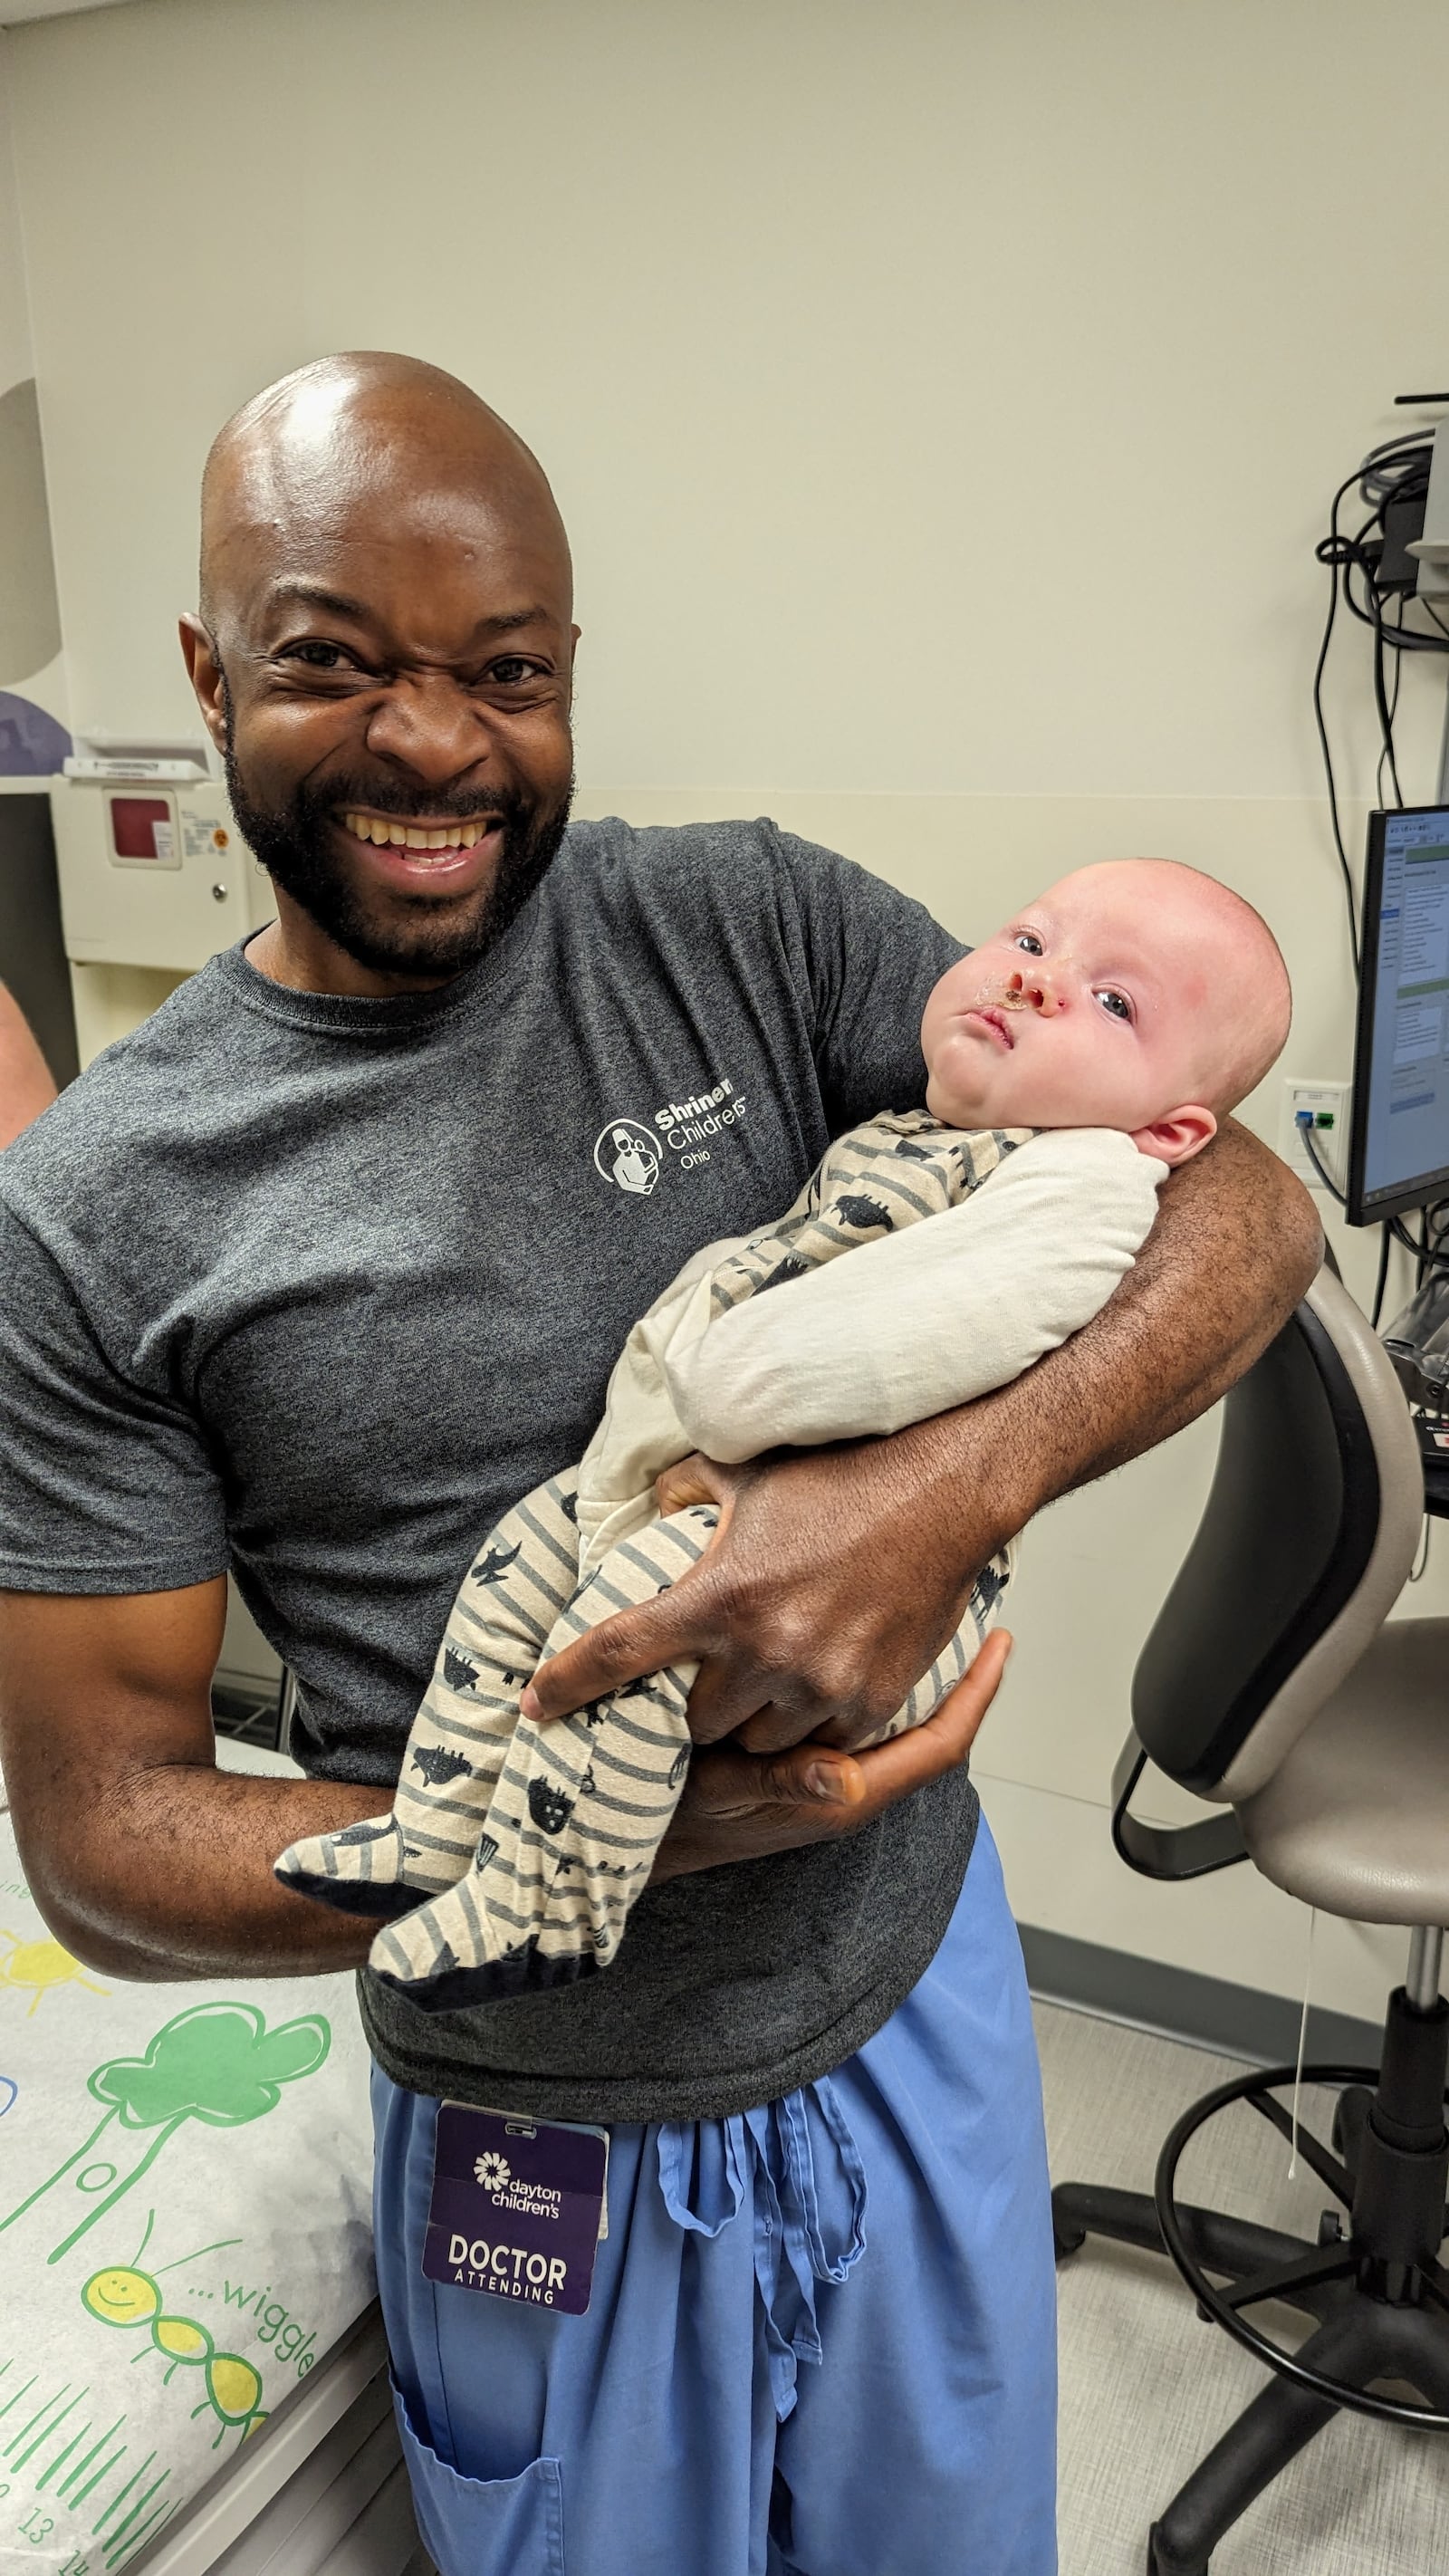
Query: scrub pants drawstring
x: 799, y: 2166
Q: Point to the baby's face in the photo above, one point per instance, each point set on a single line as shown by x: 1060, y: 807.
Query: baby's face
x: 1094, y: 1007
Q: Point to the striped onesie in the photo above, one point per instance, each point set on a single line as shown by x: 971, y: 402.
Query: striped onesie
x: 513, y: 1851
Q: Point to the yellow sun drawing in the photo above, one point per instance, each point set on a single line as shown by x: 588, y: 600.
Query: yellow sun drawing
x: 33, y: 1967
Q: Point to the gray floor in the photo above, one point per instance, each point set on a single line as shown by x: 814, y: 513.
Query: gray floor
x: 1147, y: 2388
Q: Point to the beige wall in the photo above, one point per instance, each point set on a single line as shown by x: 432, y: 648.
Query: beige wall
x: 31, y: 662
x: 944, y: 401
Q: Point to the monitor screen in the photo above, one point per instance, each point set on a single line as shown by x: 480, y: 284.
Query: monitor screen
x: 1399, y: 1128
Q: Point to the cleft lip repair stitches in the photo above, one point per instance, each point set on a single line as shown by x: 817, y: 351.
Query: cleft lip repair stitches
x: 1017, y: 995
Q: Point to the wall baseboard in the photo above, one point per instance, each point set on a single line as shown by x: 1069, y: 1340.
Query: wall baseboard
x: 1177, y: 2003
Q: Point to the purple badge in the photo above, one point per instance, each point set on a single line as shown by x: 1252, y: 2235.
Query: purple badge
x: 517, y: 2208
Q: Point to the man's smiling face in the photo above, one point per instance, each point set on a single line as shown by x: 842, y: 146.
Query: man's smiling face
x: 385, y: 660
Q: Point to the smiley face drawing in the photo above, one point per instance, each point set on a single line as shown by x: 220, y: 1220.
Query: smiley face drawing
x: 123, y: 2295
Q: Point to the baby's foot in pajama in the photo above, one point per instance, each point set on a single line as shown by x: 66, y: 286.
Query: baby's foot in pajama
x: 361, y: 1869
x: 438, y: 1955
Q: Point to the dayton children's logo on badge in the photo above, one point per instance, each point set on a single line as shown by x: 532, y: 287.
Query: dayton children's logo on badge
x: 626, y: 1154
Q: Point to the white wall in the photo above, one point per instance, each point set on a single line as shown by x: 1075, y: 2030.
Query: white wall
x: 21, y: 557
x: 15, y: 355
x: 944, y: 401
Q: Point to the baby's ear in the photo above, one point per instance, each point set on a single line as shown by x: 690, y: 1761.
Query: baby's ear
x: 1177, y: 1137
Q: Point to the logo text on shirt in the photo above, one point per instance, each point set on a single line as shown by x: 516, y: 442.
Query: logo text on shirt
x: 627, y: 1153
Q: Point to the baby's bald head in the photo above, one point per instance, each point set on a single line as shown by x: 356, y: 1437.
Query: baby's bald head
x: 1137, y: 994
x: 1242, y: 1024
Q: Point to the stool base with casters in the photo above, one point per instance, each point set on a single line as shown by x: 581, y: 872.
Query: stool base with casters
x: 1373, y: 2285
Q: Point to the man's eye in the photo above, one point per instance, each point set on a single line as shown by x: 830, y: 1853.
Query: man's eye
x: 510, y: 669
x: 1118, y: 1005
x: 318, y: 655
x: 1028, y: 940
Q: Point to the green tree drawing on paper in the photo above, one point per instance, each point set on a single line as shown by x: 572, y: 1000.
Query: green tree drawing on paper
x: 216, y: 2062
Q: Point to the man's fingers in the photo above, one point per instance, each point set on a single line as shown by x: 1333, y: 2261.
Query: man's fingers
x: 622, y: 1649
x: 893, y: 1770
x: 643, y: 1640
x: 737, y: 1806
x: 697, y: 1479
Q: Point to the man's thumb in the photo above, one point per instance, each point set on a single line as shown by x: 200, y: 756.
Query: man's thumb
x: 834, y: 1779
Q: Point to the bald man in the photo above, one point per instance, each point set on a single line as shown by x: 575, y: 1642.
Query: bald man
x: 363, y: 1178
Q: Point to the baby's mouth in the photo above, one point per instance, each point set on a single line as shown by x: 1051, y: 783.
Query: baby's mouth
x: 993, y: 1017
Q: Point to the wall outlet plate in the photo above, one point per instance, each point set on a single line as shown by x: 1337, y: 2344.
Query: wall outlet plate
x: 1328, y: 1103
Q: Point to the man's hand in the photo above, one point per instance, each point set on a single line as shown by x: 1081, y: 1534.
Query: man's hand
x: 827, y: 1590
x: 738, y: 1806
x: 837, y: 1575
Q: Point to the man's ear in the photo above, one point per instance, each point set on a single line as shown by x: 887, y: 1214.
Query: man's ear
x: 203, y: 668
x: 1177, y: 1137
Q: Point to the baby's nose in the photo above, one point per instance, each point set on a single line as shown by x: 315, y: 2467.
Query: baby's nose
x: 1032, y: 993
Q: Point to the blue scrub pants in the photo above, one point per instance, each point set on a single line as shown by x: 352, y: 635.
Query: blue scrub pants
x: 822, y: 2337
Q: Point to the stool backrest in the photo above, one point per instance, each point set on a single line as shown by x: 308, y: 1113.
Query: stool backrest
x: 1307, y: 1539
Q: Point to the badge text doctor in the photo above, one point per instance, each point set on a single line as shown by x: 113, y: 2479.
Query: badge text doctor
x: 517, y: 2208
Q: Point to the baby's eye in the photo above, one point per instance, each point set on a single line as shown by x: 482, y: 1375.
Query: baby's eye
x: 1117, y: 1004
x: 1028, y: 940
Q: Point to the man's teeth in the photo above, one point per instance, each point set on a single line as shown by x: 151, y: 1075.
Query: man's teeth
x: 406, y: 836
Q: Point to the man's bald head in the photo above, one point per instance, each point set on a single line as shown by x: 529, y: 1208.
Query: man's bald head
x: 385, y: 652
x: 304, y: 451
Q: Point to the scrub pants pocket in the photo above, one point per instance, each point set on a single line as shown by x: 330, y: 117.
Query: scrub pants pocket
x: 490, y: 2526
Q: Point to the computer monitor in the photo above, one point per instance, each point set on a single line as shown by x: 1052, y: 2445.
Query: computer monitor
x: 1398, y: 1153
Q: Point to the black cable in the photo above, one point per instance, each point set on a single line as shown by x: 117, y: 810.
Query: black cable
x: 1397, y: 469
x: 1385, y: 1241
x: 1386, y: 719
x: 1432, y: 1260
x: 1331, y: 558
x: 1321, y: 1168
x: 1393, y: 710
x: 1393, y: 1230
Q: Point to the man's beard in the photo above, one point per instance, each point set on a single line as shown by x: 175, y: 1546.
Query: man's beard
x: 425, y: 937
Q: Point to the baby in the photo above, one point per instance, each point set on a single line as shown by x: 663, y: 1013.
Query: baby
x: 1074, y: 1060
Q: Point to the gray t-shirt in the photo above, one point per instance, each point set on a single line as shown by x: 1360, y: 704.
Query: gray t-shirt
x: 315, y: 1288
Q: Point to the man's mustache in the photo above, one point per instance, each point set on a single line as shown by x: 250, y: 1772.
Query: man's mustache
x: 392, y: 797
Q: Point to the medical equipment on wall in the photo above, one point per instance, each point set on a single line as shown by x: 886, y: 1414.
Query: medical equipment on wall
x: 1396, y: 560
x: 152, y: 869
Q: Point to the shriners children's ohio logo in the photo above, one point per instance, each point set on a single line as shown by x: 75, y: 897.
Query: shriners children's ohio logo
x: 632, y: 1155
x: 493, y: 2172
x: 626, y: 1154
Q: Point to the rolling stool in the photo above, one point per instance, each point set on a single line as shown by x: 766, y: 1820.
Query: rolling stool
x: 1269, y: 1685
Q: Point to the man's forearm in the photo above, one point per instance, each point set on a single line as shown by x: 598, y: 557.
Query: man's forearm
x: 176, y: 1870
x: 1234, y: 1248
